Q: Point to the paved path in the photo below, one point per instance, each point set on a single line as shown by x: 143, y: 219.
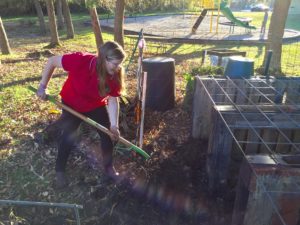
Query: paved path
x: 180, y: 26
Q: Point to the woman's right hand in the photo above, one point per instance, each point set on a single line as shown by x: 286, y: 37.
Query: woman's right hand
x: 52, y: 63
x: 42, y: 91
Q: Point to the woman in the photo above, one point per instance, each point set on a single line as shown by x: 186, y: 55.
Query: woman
x: 92, y: 88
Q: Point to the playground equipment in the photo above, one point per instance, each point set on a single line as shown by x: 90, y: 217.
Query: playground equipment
x: 226, y: 11
x: 206, y: 5
x: 223, y: 7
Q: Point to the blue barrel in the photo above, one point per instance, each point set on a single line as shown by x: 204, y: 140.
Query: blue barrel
x: 239, y: 67
x: 160, y: 94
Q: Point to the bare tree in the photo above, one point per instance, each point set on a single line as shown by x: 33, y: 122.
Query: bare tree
x: 119, y: 22
x: 68, y: 19
x: 96, y: 27
x: 52, y: 24
x: 59, y: 15
x: 40, y: 15
x: 4, y: 45
x: 276, y: 32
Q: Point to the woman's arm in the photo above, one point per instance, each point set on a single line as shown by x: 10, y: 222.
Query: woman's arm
x: 52, y: 63
x: 113, y: 113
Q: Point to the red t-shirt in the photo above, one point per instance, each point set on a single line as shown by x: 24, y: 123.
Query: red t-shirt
x: 80, y: 91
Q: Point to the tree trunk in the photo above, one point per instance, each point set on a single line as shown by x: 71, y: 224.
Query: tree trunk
x: 119, y: 22
x: 4, y: 45
x: 59, y: 13
x: 96, y: 27
x: 40, y: 15
x: 276, y: 32
x: 68, y: 19
x: 52, y: 23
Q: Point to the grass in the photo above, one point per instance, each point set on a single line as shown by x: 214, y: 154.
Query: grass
x: 291, y: 22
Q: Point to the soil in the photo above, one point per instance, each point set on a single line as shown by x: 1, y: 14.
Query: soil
x: 170, y: 188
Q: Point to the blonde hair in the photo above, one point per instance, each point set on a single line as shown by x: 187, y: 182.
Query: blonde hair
x: 109, y: 51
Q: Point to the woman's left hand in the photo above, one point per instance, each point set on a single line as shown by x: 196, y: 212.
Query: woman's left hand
x: 115, y: 133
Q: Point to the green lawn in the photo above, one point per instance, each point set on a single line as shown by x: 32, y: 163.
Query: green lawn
x: 257, y: 17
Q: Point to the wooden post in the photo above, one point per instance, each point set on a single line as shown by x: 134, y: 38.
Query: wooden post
x: 218, y: 156
x: 141, y: 140
x: 96, y: 27
x: 202, y: 106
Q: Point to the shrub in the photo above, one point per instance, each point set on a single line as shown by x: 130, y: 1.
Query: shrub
x: 189, y: 78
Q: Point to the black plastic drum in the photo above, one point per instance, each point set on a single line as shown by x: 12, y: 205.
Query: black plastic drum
x: 160, y: 94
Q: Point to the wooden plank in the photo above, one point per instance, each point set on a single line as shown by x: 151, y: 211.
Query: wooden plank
x: 207, y: 93
x: 198, y: 109
x: 268, y: 142
x: 266, y: 91
x: 280, y: 87
x: 282, y: 147
x: 289, y: 209
x: 264, y: 108
x: 259, y: 128
x: 293, y: 91
x: 230, y: 92
x: 241, y: 92
x: 218, y: 157
x: 295, y: 137
x: 202, y: 106
x: 236, y: 156
x: 260, y: 91
x: 215, y: 89
x: 253, y: 205
x: 253, y: 140
x: 237, y: 148
x: 206, y: 125
x: 258, y: 120
x: 254, y: 95
x: 245, y: 201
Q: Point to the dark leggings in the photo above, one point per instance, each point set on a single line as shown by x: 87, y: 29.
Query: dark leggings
x: 69, y: 124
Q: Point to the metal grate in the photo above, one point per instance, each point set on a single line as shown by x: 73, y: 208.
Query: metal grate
x: 251, y: 117
x: 75, y: 207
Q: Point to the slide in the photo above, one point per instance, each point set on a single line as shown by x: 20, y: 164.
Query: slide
x: 199, y: 20
x: 226, y: 11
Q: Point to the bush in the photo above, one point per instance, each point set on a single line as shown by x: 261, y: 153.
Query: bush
x: 207, y: 70
x: 16, y: 7
x: 189, y: 78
